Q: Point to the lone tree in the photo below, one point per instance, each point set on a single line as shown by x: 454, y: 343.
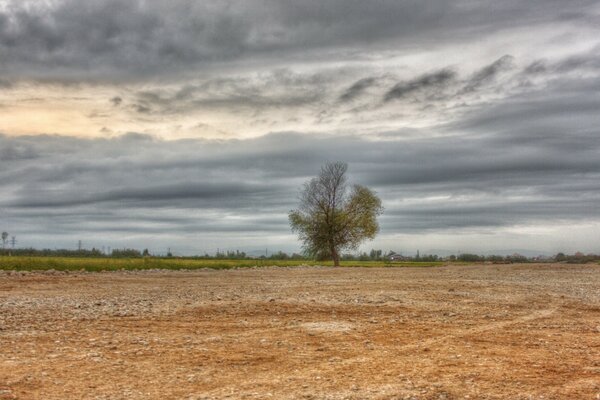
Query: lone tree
x: 332, y: 218
x: 4, y: 237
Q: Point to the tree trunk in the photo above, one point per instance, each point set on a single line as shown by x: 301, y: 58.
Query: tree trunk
x: 335, y: 256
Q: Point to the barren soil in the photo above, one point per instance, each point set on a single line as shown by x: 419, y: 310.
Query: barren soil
x: 478, y: 332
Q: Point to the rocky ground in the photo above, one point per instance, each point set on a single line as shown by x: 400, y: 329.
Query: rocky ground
x: 478, y: 332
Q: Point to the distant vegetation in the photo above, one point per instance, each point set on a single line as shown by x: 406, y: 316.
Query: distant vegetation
x: 131, y: 259
x: 90, y: 262
x: 236, y: 255
x: 25, y: 263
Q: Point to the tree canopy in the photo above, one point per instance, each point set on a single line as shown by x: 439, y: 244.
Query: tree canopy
x: 333, y: 217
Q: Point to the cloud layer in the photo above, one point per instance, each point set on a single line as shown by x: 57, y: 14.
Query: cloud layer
x: 193, y: 124
x: 133, y: 187
x: 112, y: 39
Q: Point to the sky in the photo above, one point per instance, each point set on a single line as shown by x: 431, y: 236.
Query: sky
x: 192, y: 125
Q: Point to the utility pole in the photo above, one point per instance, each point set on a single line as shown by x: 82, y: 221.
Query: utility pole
x: 13, y: 241
x: 79, y: 244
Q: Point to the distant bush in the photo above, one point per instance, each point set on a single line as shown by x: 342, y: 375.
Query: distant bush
x: 577, y: 258
x: 470, y: 257
x: 126, y: 253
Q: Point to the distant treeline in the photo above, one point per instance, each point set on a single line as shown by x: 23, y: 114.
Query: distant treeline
x: 134, y: 253
x: 31, y: 252
x: 577, y: 258
x: 373, y: 255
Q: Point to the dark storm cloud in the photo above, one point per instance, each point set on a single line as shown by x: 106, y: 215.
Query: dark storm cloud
x: 116, y: 101
x: 110, y: 39
x: 434, y: 82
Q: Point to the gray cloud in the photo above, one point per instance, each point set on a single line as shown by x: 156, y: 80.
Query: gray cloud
x: 5, y: 84
x: 342, y: 99
x: 111, y: 39
x: 536, y: 67
x: 116, y: 101
x: 357, y: 88
x: 586, y: 61
x: 435, y: 82
x: 488, y: 74
x: 453, y: 135
x: 203, y: 193
x: 517, y: 161
x: 15, y: 152
x: 276, y: 89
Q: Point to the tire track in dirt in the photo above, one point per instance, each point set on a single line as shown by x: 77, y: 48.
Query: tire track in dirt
x: 485, y: 328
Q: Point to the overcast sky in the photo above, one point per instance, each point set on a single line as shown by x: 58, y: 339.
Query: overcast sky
x: 192, y: 125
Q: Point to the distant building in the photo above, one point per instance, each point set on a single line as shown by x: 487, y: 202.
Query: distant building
x: 398, y: 257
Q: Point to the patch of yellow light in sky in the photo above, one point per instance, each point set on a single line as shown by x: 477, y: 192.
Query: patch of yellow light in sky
x: 86, y: 111
x: 30, y: 110
x: 32, y: 120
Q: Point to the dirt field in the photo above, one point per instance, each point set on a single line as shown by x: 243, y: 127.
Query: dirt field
x: 478, y: 332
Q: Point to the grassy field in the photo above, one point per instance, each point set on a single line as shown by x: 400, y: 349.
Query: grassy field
x: 113, y: 264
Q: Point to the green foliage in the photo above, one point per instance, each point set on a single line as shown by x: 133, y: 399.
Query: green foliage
x: 428, y: 257
x: 470, y: 257
x: 375, y: 254
x: 577, y: 258
x: 126, y: 253
x: 114, y: 264
x: 330, y: 218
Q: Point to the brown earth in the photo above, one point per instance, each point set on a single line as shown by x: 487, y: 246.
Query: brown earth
x: 478, y: 332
